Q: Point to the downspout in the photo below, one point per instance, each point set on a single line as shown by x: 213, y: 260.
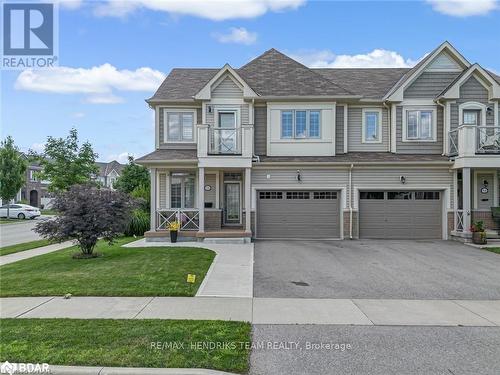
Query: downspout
x: 350, y: 201
x: 255, y: 157
x: 389, y: 117
x: 444, y: 124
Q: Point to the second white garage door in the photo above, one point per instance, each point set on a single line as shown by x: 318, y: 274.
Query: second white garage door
x: 298, y: 214
x: 400, y: 214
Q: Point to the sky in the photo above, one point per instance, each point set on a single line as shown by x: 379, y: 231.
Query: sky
x: 114, y: 54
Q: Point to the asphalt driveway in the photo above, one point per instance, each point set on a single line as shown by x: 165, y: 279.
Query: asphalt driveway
x: 375, y: 269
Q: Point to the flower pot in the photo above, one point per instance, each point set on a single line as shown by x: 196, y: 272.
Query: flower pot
x: 173, y: 236
x: 479, y: 238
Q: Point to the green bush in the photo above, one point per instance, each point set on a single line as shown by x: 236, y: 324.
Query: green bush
x: 138, y: 224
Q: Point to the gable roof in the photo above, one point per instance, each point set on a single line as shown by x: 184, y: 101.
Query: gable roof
x: 106, y: 168
x: 416, y: 70
x: 226, y: 71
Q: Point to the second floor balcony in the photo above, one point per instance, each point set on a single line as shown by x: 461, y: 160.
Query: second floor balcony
x: 470, y: 140
x: 223, y: 141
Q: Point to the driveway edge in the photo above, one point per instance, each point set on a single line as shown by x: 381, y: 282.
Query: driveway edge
x: 89, y: 370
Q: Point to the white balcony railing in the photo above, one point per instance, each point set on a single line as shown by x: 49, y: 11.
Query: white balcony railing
x: 224, y: 141
x: 187, y: 217
x: 469, y: 140
x: 214, y: 141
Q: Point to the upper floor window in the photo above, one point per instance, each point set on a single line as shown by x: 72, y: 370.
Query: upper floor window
x: 372, y: 129
x: 301, y: 124
x: 420, y: 125
x: 180, y: 126
x: 33, y: 176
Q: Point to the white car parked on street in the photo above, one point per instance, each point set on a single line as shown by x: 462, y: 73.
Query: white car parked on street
x: 20, y: 211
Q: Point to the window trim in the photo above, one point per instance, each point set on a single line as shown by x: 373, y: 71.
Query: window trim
x: 379, y: 125
x: 166, y: 112
x: 433, y: 111
x: 308, y: 121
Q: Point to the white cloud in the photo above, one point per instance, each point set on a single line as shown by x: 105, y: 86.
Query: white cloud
x: 38, y: 147
x: 69, y: 4
x: 464, y: 8
x: 378, y: 58
x: 238, y: 35
x: 217, y: 10
x: 120, y: 158
x: 98, y: 82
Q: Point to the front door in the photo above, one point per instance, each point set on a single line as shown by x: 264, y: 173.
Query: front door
x: 484, y: 191
x: 232, y: 212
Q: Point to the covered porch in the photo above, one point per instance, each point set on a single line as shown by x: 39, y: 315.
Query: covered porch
x: 210, y: 204
x: 477, y: 191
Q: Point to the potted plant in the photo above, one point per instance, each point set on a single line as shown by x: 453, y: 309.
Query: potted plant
x: 478, y: 233
x: 173, y: 227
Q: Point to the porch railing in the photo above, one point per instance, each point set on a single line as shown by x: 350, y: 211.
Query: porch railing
x: 188, y: 218
x: 488, y: 139
x: 453, y: 142
x: 459, y: 220
x: 224, y: 140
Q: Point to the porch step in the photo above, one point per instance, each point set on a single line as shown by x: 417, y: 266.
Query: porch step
x: 491, y: 235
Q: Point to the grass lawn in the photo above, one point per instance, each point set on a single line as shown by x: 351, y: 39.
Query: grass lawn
x: 23, y: 246
x: 124, y: 343
x: 120, y: 271
x: 49, y: 212
x: 495, y: 250
x: 4, y: 220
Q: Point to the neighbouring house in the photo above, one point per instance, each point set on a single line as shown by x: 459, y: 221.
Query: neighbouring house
x: 35, y: 190
x: 109, y: 173
x: 275, y: 149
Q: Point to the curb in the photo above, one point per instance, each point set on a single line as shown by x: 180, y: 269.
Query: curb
x: 88, y: 370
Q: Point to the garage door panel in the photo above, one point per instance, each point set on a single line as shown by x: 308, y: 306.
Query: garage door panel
x: 401, y: 218
x: 297, y: 218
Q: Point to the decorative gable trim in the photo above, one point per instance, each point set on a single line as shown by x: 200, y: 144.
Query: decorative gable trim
x: 206, y: 92
x: 396, y: 93
x: 483, y: 77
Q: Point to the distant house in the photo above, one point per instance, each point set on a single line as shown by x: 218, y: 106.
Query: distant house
x: 35, y: 191
x: 109, y: 173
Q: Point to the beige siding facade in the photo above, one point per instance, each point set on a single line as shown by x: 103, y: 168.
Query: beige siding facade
x: 355, y: 132
x: 429, y: 84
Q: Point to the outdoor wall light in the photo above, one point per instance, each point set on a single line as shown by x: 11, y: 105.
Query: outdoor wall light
x: 299, y: 177
x: 489, y: 111
x: 402, y: 179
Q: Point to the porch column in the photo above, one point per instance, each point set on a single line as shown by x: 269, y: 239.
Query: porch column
x: 152, y: 173
x: 201, y: 199
x: 248, y: 199
x: 466, y: 196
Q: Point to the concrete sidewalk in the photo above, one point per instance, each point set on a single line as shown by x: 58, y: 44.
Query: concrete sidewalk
x: 21, y: 255
x: 92, y: 370
x: 231, y: 272
x: 261, y: 310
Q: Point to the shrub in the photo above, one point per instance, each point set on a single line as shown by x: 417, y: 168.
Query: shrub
x: 138, y: 223
x: 87, y: 213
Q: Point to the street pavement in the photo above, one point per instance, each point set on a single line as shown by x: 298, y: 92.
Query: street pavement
x: 19, y: 232
x: 374, y: 350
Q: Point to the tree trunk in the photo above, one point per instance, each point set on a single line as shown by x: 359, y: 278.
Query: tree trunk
x: 8, y: 209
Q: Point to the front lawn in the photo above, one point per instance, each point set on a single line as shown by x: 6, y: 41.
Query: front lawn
x: 495, y: 250
x: 23, y: 246
x: 4, y: 220
x: 126, y: 343
x: 120, y: 271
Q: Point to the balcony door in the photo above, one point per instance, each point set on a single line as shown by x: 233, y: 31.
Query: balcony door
x: 226, y: 139
x: 472, y: 117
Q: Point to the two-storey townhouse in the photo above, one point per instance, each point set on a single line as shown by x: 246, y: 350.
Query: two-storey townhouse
x: 275, y: 149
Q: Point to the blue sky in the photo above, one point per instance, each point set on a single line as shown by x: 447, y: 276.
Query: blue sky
x: 114, y: 54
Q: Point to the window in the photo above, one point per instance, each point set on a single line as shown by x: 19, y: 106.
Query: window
x: 371, y: 195
x: 371, y: 126
x: 427, y: 195
x: 471, y: 117
x: 324, y: 195
x: 179, y: 126
x: 297, y: 195
x: 300, y: 124
x: 404, y: 195
x: 271, y: 195
x: 33, y: 175
x: 182, y: 190
x: 227, y: 120
x: 419, y: 125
